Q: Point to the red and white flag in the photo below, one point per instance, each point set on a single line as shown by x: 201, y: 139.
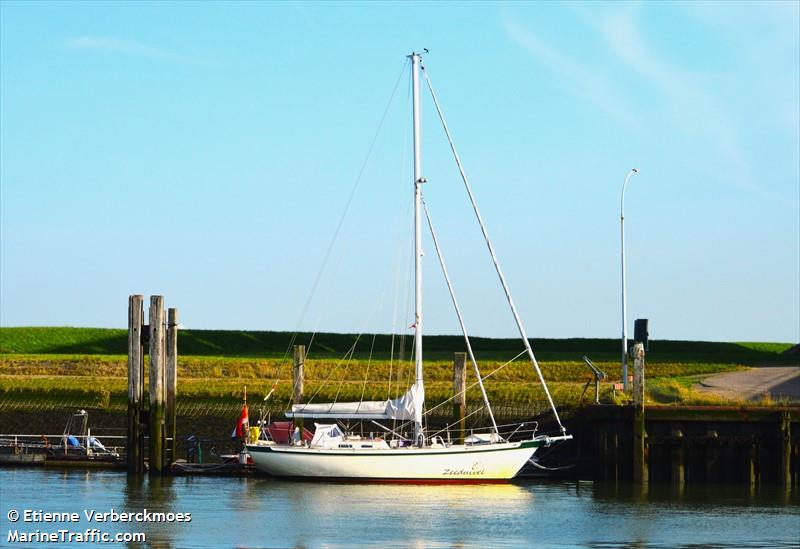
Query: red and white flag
x: 242, y: 425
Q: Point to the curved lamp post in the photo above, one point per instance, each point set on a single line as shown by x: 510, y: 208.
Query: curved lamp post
x: 624, y: 300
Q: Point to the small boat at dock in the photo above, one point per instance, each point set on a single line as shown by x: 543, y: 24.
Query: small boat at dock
x: 75, y: 446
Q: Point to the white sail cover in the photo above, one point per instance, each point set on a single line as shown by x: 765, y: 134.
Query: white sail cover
x: 402, y: 408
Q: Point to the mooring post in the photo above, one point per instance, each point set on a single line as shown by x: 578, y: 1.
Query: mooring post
x: 786, y: 450
x: 172, y: 381
x: 677, y: 458
x: 615, y: 452
x: 135, y: 385
x: 460, y: 392
x: 751, y: 465
x: 713, y: 457
x: 164, y: 462
x: 297, y: 381
x: 157, y: 432
x: 640, y: 470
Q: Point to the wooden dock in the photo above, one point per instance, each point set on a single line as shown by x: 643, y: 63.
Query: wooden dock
x: 183, y: 468
x: 685, y: 445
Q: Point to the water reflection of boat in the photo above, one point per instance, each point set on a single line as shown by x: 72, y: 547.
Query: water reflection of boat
x: 485, y: 513
x: 75, y: 445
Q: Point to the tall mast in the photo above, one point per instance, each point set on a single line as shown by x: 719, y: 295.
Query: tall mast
x: 418, y: 181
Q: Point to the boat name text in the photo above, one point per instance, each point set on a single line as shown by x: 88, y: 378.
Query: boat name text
x: 476, y: 470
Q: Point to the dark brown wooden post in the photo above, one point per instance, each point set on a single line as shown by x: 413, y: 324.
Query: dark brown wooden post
x: 172, y: 381
x: 713, y: 465
x: 135, y: 383
x: 786, y: 450
x: 459, y: 392
x: 678, y: 463
x: 298, y: 380
x: 604, y: 451
x: 640, y: 470
x: 156, y: 319
x: 750, y: 466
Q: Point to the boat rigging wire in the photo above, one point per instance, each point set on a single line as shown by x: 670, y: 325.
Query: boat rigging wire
x: 472, y: 413
x: 491, y: 252
x: 398, y: 259
x: 335, y: 236
x: 366, y: 373
x: 346, y: 358
x: 487, y: 376
x: 458, y: 314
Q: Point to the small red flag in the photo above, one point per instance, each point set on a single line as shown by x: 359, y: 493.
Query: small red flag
x: 242, y: 425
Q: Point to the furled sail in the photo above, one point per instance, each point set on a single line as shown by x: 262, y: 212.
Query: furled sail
x: 402, y: 408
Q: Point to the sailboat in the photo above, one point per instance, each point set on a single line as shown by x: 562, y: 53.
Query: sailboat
x: 336, y: 454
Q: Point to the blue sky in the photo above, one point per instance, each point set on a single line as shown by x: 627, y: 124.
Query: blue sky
x: 206, y: 152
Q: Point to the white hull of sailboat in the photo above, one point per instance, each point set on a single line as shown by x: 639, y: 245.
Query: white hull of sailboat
x: 458, y: 463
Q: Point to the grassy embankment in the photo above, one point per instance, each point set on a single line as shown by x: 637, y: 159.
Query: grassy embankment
x: 52, y: 367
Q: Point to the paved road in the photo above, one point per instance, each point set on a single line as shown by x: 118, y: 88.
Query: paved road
x: 754, y: 383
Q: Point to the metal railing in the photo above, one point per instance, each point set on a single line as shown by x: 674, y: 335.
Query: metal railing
x: 23, y: 442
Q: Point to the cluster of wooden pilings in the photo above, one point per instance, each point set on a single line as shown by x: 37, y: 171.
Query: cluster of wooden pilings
x: 154, y: 420
x: 684, y: 444
x: 688, y: 445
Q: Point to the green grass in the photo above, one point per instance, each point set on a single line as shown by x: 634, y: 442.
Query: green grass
x: 356, y: 370
x: 101, y: 380
x: 765, y: 347
x: 111, y: 393
x: 89, y: 366
x: 257, y: 344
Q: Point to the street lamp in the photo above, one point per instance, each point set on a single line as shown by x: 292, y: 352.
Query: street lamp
x: 624, y: 299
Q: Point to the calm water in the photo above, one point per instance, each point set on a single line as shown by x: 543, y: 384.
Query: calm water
x: 230, y: 512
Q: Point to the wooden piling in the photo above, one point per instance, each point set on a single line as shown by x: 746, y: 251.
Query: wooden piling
x: 786, y: 450
x: 459, y: 393
x: 712, y: 457
x: 677, y: 459
x: 135, y: 383
x: 638, y: 375
x: 690, y: 445
x: 157, y: 432
x: 172, y: 381
x: 640, y: 471
x: 599, y: 451
x: 750, y: 466
x: 297, y: 380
